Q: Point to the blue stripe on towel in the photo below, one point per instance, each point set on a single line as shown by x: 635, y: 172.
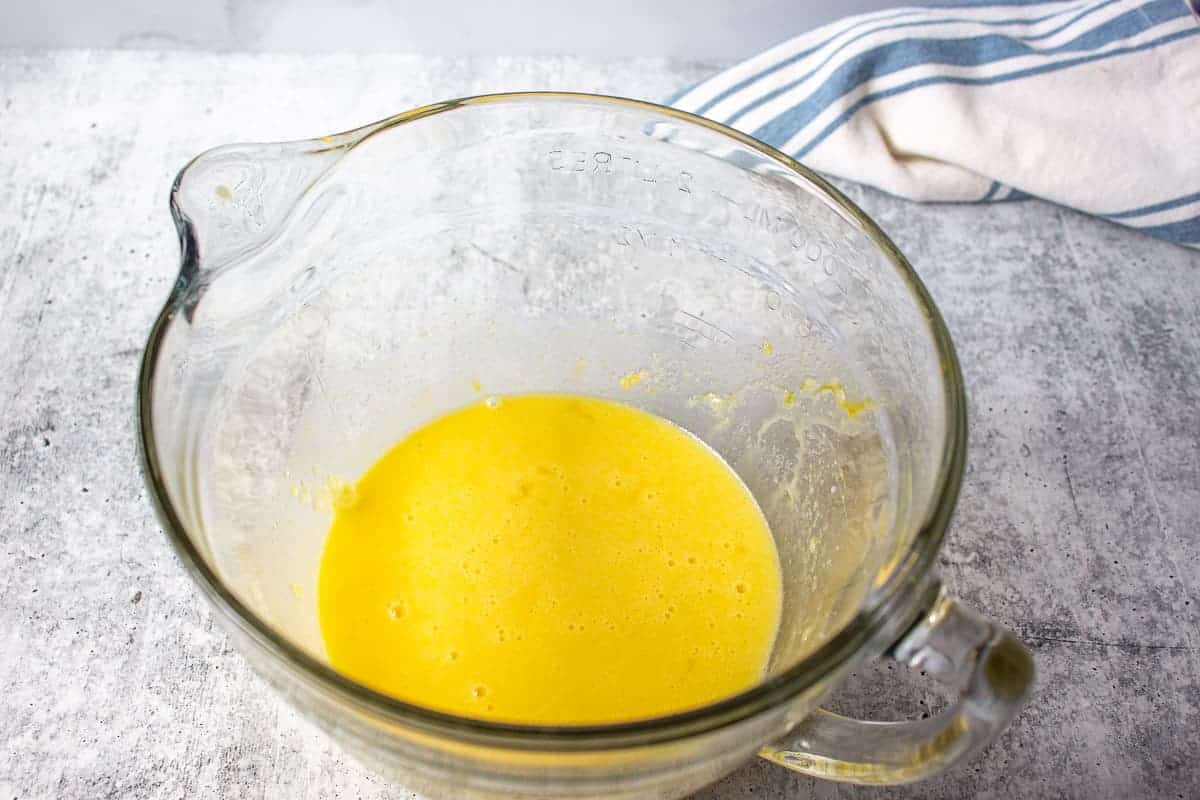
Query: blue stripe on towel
x: 906, y: 14
x: 1013, y: 196
x: 1166, y: 205
x: 1185, y: 231
x: 991, y: 192
x: 973, y: 51
x: 772, y: 130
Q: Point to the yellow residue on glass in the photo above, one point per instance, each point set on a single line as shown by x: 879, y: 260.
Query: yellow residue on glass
x: 222, y: 191
x: 476, y: 385
x: 767, y: 347
x: 297, y: 590
x: 580, y: 367
x: 789, y: 398
x: 632, y: 379
x: 835, y: 388
x: 718, y: 404
x: 334, y: 494
x: 341, y: 494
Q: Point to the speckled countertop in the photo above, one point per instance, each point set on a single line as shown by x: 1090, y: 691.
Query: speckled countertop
x: 1078, y: 525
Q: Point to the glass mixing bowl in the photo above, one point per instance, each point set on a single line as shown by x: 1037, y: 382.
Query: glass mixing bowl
x: 337, y: 293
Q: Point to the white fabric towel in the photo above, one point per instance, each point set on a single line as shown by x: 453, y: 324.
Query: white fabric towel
x: 1094, y: 105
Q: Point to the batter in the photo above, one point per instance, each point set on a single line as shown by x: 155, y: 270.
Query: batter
x: 550, y: 559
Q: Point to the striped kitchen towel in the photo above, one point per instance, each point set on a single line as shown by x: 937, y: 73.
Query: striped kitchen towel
x: 1094, y: 105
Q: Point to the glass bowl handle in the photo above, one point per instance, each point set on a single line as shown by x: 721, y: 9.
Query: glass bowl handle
x: 985, y: 662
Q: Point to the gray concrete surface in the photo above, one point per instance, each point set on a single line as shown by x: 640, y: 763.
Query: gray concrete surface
x: 1077, y: 526
x: 731, y: 29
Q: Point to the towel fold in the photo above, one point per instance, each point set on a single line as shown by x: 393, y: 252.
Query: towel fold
x: 1092, y: 105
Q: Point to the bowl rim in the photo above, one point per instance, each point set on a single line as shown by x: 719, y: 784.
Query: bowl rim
x: 896, y: 596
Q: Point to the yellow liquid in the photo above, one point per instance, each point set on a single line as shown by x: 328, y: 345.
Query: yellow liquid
x: 550, y: 559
